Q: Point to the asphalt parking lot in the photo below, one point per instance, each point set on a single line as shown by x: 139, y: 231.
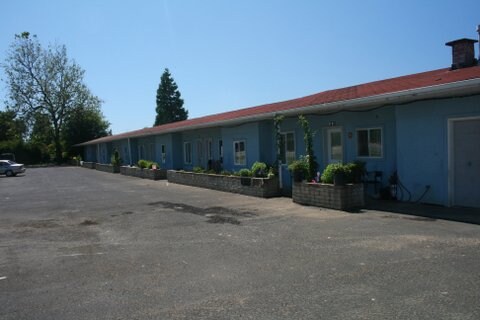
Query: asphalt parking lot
x: 82, y: 244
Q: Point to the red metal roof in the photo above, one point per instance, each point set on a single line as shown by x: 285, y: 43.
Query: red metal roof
x: 413, y: 81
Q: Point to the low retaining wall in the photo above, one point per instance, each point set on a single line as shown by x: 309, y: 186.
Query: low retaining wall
x: 73, y: 162
x: 88, y: 165
x: 259, y: 187
x: 106, y: 168
x: 345, y: 197
x: 157, y: 174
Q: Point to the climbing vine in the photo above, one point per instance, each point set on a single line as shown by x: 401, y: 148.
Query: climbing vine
x: 277, y: 121
x: 308, y: 135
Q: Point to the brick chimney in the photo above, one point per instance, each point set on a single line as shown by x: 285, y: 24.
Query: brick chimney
x: 463, y: 53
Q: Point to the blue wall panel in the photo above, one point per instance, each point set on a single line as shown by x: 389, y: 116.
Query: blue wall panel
x: 267, y: 142
x: 198, y: 139
x: 247, y: 132
x: 422, y: 139
x: 348, y: 122
x: 165, y: 140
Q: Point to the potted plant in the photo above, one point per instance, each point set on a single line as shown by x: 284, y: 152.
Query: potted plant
x: 116, y: 161
x: 356, y: 170
x: 340, y: 176
x: 259, y: 169
x: 299, y: 169
x: 336, y: 174
x: 245, y: 177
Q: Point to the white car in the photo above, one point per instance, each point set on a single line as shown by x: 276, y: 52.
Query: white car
x: 11, y: 168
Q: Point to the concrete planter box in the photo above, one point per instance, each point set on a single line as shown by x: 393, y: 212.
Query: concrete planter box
x: 88, y: 165
x: 257, y: 187
x: 74, y: 162
x: 346, y: 197
x: 107, y: 168
x: 157, y: 174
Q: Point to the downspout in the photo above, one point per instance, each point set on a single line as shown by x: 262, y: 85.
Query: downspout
x: 478, y: 31
x: 98, y: 153
x: 130, y: 152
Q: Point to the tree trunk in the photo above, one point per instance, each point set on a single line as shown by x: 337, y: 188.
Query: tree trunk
x: 58, y: 146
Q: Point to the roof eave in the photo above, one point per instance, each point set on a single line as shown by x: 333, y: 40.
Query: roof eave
x: 458, y: 88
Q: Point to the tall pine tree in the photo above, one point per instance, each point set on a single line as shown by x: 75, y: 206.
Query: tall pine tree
x: 169, y: 104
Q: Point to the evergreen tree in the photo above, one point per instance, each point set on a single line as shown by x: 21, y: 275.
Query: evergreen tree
x: 169, y: 103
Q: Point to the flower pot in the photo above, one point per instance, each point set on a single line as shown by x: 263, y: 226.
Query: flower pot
x: 339, y: 179
x: 246, y: 181
x: 297, y: 176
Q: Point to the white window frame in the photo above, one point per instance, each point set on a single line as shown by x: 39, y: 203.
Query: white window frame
x: 209, y: 146
x: 369, y: 156
x: 284, y: 137
x: 125, y: 154
x: 199, y: 152
x: 220, y: 149
x: 163, y: 151
x: 235, y: 153
x: 185, y: 160
x: 329, y: 141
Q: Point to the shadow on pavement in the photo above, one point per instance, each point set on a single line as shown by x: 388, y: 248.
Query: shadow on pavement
x: 468, y: 215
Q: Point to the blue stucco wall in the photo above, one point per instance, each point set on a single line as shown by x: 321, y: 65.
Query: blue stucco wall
x: 267, y: 142
x: 349, y: 122
x: 177, y: 151
x: 165, y: 140
x: 90, y: 153
x: 422, y: 140
x: 122, y: 147
x: 247, y: 132
x: 202, y: 136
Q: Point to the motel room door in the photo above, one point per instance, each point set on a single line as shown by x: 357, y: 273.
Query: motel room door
x: 334, y: 145
x: 466, y: 162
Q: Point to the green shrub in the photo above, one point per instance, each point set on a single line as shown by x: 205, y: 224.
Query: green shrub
x: 271, y: 172
x: 299, y: 165
x: 143, y: 164
x: 352, y: 171
x: 198, y: 170
x: 330, y: 171
x: 356, y: 170
x: 226, y: 173
x: 259, y: 169
x: 115, y: 159
x: 151, y: 164
x: 299, y: 169
x: 146, y: 164
x: 244, y: 172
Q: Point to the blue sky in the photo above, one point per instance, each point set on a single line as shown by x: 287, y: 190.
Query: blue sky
x: 226, y: 55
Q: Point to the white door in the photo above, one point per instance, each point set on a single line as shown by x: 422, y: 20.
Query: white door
x: 466, y: 163
x: 335, y: 145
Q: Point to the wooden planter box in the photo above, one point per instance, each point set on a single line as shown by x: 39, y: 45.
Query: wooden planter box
x: 257, y: 187
x: 157, y: 174
x: 107, y: 168
x: 88, y: 165
x: 346, y: 197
